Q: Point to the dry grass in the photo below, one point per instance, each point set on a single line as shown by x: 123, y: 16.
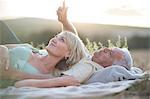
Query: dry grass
x: 141, y: 58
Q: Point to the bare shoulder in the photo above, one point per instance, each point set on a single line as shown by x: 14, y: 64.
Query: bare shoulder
x: 16, y: 45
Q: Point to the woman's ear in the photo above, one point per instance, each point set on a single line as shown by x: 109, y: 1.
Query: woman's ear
x: 66, y: 58
x: 67, y: 55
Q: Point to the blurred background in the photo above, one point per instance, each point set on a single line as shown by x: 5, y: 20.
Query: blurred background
x: 35, y: 21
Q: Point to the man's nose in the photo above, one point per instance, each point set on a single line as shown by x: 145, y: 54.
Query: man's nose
x: 98, y: 52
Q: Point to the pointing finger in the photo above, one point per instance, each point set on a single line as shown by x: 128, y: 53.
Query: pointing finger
x: 64, y: 5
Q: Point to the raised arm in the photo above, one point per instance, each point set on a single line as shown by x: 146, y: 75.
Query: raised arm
x: 62, y: 18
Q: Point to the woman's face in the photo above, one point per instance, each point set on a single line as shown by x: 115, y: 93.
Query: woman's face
x: 57, y: 46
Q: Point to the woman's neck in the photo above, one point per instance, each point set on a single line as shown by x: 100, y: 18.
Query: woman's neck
x: 50, y: 61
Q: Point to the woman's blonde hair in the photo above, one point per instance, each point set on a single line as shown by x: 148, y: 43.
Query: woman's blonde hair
x: 76, y: 47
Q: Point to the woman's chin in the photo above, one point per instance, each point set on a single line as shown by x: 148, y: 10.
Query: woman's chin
x: 47, y: 49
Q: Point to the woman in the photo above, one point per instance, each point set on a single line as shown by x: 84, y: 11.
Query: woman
x: 65, y: 46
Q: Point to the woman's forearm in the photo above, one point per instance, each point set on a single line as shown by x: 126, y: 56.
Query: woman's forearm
x: 48, y: 83
x: 45, y: 83
x: 68, y: 26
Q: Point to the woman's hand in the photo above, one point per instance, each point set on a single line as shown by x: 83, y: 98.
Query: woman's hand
x: 4, y: 57
x: 62, y: 17
x: 62, y: 13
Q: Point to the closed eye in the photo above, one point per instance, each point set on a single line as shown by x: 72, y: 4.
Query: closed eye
x: 62, y: 39
x: 55, y: 36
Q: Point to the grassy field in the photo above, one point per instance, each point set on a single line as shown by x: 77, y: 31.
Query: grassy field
x: 141, y: 58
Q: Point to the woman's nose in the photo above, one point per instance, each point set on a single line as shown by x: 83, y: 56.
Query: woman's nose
x: 54, y: 39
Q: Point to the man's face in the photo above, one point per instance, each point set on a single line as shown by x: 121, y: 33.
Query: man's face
x: 105, y: 56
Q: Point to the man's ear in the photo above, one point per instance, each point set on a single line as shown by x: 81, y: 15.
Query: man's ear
x: 118, y: 56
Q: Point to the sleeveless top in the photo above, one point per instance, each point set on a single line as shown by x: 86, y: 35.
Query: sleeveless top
x: 19, y: 59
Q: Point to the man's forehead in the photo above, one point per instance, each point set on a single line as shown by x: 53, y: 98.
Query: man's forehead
x: 117, y: 50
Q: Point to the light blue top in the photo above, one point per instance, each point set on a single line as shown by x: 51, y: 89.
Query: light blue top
x: 19, y: 59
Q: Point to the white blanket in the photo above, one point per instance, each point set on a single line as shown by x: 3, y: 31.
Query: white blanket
x: 91, y: 90
x: 76, y: 92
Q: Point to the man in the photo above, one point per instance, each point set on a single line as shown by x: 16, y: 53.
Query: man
x: 113, y: 56
x: 101, y: 59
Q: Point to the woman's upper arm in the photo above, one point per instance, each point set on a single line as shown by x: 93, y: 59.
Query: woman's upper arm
x: 16, y: 45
